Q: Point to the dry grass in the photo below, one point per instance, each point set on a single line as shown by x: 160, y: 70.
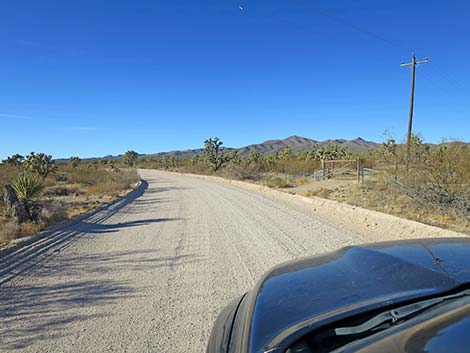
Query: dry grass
x: 381, y: 197
x: 71, y: 192
x: 8, y: 174
x: 278, y: 182
x: 283, y: 182
x: 29, y: 228
x: 63, y: 189
x: 9, y: 231
x: 435, y: 190
x: 79, y: 209
x: 321, y: 192
x: 51, y: 213
x: 114, y: 183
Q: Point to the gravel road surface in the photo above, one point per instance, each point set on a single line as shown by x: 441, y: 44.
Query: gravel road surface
x: 151, y: 272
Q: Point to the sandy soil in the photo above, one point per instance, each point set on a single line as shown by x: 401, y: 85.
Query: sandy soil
x: 151, y: 272
x: 319, y: 185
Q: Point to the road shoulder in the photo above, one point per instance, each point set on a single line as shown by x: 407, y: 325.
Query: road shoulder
x: 345, y: 216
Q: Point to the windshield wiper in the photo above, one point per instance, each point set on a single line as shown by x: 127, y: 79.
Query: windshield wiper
x: 394, y: 315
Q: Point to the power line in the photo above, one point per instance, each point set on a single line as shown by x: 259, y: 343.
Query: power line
x: 379, y: 37
x: 357, y: 28
x: 457, y: 92
x: 437, y: 70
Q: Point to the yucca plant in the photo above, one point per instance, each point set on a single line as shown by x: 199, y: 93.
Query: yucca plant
x: 27, y: 187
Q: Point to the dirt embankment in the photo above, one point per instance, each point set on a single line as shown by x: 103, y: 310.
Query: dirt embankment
x: 348, y: 217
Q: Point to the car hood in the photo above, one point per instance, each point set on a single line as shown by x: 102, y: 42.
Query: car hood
x: 301, y: 295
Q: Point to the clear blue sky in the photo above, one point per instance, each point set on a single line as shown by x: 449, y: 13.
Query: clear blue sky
x: 92, y: 78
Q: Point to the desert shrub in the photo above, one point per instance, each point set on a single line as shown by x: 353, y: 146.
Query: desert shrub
x: 52, y: 213
x: 31, y: 227
x: 9, y: 231
x: 243, y: 172
x: 81, y: 208
x: 61, y: 177
x: 439, y: 178
x: 38, y: 175
x: 87, y: 174
x: 278, y: 182
x: 115, y: 182
x: 58, y: 191
x: 48, y: 214
x: 297, y: 167
x: 8, y: 173
x: 321, y: 192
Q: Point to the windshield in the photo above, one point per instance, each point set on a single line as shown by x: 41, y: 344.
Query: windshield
x: 336, y: 336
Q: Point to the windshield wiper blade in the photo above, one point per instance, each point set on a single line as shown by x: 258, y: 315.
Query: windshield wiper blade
x: 394, y: 315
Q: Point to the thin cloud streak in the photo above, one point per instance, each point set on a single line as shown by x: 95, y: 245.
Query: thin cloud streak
x: 80, y: 128
x: 68, y: 128
x: 14, y: 116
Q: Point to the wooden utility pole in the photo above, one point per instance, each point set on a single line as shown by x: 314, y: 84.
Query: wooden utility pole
x: 358, y: 170
x: 413, y: 64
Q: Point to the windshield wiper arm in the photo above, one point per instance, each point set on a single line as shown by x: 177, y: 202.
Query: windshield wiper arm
x: 394, y: 315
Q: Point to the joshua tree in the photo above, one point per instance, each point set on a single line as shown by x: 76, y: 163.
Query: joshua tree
x: 332, y: 152
x: 235, y: 159
x: 112, y: 166
x: 40, y: 164
x: 15, y: 160
x: 284, y: 154
x: 418, y: 149
x: 74, y: 162
x: 196, y: 159
x: 304, y: 155
x: 166, y: 162
x: 19, y: 196
x: 130, y: 157
x: 214, y: 154
x: 255, y: 157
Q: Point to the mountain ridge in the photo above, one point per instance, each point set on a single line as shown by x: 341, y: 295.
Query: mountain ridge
x: 294, y: 142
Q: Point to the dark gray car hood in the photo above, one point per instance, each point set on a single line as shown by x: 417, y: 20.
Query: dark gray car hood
x: 298, y: 296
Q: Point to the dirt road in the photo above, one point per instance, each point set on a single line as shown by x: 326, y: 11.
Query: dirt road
x: 151, y: 272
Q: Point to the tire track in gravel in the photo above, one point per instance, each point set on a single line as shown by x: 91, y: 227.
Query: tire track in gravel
x: 258, y: 223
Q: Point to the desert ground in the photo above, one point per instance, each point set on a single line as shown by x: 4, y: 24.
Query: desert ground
x: 150, y: 272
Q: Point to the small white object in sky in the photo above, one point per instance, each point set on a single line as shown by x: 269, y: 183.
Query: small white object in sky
x: 241, y: 7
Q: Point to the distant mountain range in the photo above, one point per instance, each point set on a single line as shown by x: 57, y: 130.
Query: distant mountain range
x: 296, y: 143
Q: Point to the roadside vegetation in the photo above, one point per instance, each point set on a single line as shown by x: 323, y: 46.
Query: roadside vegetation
x: 36, y: 191
x: 434, y: 189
